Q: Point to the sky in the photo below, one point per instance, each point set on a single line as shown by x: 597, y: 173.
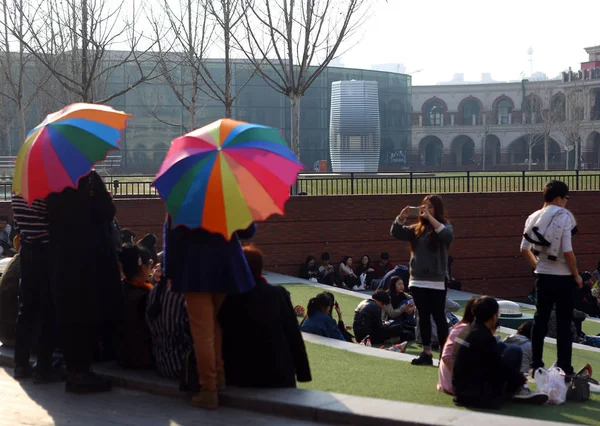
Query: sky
x: 434, y: 39
x: 442, y: 37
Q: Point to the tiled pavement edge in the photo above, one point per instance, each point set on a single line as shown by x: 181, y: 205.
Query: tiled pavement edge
x: 315, y: 406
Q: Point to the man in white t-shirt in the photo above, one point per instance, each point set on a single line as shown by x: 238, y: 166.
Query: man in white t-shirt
x: 546, y: 247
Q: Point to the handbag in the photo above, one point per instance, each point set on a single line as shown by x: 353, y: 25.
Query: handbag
x: 189, y: 380
x: 579, y: 389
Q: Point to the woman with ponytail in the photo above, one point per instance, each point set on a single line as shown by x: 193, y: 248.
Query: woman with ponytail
x: 430, y: 239
x: 318, y: 319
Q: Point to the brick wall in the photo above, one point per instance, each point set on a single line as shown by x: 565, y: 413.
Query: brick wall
x: 487, y: 228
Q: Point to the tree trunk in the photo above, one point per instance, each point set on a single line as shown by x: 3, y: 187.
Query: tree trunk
x: 22, y: 128
x: 567, y: 159
x: 227, y: 45
x: 529, y: 160
x: 483, y: 153
x: 295, y: 110
x: 85, y: 83
x: 545, y: 152
x: 576, y: 159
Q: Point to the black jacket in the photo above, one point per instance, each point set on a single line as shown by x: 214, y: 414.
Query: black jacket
x: 134, y: 346
x: 85, y: 276
x: 262, y: 343
x: 9, y: 300
x: 367, y: 317
x: 478, y: 377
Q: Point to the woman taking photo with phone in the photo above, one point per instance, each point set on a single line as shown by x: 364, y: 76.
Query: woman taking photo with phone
x: 430, y: 239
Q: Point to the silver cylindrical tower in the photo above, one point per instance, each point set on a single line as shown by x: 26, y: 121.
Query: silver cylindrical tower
x: 354, y: 129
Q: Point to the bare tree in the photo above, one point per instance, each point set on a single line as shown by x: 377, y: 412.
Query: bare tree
x: 79, y: 50
x: 181, y: 44
x: 21, y: 79
x: 291, y: 42
x: 572, y: 127
x: 228, y: 15
x: 489, y: 121
x: 551, y: 118
x: 532, y: 112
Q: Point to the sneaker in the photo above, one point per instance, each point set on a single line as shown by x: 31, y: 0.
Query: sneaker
x: 209, y: 400
x: 52, y: 376
x: 23, y: 372
x: 525, y: 395
x: 423, y: 359
x: 87, y: 383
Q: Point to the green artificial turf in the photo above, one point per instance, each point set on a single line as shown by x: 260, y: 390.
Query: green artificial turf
x: 335, y: 370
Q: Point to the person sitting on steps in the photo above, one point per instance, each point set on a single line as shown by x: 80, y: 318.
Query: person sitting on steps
x: 348, y: 277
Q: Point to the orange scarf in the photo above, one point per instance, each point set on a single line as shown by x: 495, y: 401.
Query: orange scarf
x: 142, y: 284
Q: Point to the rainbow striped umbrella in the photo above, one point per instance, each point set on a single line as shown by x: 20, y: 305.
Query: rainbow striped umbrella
x: 65, y: 147
x: 224, y: 176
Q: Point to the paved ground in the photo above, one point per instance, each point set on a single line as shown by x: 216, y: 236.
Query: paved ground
x: 31, y: 404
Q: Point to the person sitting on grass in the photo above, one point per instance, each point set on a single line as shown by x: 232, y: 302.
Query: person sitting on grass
x: 335, y: 305
x: 397, y: 271
x: 447, y: 361
x: 348, y: 276
x: 318, y: 318
x: 262, y: 343
x: 368, y: 323
x: 309, y: 269
x: 523, y: 340
x: 401, y: 306
x: 326, y: 270
x: 484, y: 370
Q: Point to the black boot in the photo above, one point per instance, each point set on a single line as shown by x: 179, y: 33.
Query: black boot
x: 423, y: 359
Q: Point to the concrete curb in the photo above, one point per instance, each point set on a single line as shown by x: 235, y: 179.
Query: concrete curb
x: 316, y: 406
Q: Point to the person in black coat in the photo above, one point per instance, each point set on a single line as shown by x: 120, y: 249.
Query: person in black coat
x: 485, y: 370
x: 86, y: 281
x: 262, y: 343
x: 368, y: 321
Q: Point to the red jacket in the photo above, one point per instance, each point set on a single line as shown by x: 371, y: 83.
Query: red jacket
x: 382, y: 270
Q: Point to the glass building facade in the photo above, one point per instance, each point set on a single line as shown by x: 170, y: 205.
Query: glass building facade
x: 159, y: 117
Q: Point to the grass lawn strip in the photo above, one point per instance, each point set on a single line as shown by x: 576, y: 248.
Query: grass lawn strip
x: 351, y: 373
x: 355, y: 373
x: 301, y: 293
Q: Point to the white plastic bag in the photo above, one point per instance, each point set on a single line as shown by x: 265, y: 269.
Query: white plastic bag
x: 363, y: 280
x: 313, y: 280
x: 552, y: 383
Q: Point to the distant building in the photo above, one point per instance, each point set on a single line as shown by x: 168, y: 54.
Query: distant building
x: 450, y: 121
x: 397, y: 68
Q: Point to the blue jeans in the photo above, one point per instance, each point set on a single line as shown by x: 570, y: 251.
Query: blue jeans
x: 512, y: 356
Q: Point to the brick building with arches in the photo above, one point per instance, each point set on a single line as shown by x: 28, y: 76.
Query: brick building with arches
x: 507, y: 126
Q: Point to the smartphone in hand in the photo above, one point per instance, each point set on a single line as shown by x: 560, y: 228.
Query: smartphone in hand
x: 414, y: 212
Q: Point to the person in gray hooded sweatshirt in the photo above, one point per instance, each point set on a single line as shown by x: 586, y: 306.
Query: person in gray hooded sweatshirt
x: 523, y: 340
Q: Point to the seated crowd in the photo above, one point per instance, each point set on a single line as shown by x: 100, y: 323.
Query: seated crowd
x: 347, y: 274
x: 80, y: 290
